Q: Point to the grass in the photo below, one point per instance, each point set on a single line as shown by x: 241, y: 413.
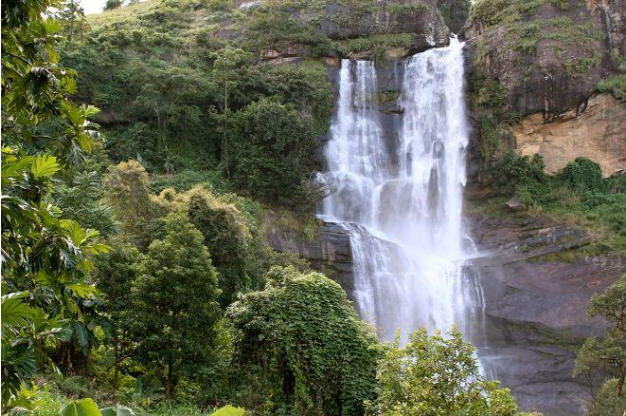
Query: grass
x: 614, y: 84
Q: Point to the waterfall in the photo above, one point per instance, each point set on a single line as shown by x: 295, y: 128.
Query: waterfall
x: 400, y: 199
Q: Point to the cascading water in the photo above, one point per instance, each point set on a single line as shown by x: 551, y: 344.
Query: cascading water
x: 401, y: 202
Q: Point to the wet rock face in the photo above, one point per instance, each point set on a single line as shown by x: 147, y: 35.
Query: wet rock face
x: 536, y: 307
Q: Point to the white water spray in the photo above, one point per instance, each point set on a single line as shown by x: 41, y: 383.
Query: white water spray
x: 402, y: 201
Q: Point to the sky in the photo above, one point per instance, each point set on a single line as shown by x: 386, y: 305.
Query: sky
x: 92, y: 6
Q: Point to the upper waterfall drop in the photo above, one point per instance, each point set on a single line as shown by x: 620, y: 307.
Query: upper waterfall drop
x: 402, y: 201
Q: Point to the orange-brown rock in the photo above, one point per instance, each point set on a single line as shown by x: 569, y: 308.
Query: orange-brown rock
x: 598, y: 133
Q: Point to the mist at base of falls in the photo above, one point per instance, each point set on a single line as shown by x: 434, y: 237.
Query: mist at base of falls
x: 402, y: 203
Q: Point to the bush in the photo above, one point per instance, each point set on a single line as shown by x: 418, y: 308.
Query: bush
x: 605, y: 403
x: 273, y: 149
x: 227, y: 237
x: 437, y: 375
x: 578, y: 192
x: 584, y: 175
x: 615, y: 84
x: 305, y: 346
x: 514, y: 170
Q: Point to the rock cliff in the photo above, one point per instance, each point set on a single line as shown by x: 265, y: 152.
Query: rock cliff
x: 356, y: 26
x: 534, y: 65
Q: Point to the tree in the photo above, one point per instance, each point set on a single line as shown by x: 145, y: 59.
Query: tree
x: 302, y: 346
x: 72, y: 15
x: 607, y: 355
x: 605, y: 403
x: 227, y: 62
x: 611, y: 305
x: 126, y: 190
x: 172, y: 96
x: 436, y: 376
x: 175, y: 304
x: 81, y: 199
x: 272, y: 147
x: 113, y: 4
x: 115, y: 277
x: 45, y: 259
x: 226, y: 235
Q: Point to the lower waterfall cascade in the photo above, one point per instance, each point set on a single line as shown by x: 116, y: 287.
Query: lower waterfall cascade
x: 401, y: 202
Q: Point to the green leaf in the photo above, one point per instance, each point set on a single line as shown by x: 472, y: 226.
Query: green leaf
x: 82, y: 290
x: 90, y: 110
x: 16, y: 166
x: 118, y: 410
x: 82, y: 335
x: 15, y: 313
x: 229, y: 411
x: 44, y: 166
x: 84, y: 407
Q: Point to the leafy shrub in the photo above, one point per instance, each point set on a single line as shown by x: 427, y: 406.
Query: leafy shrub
x: 188, y: 179
x: 578, y: 192
x: 225, y: 234
x: 303, y: 342
x: 437, y: 375
x: 272, y: 149
x: 513, y: 170
x: 584, y: 175
x: 605, y: 403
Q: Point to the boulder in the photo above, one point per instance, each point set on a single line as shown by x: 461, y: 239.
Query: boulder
x: 515, y: 204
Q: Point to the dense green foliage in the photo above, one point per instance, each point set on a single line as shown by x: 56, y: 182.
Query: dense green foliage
x: 615, y: 84
x: 436, y: 376
x: 175, y: 304
x: 178, y: 96
x: 605, y: 402
x: 306, y: 348
x: 47, y: 302
x: 489, y: 99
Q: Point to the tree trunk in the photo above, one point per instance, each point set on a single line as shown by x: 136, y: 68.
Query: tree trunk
x: 169, y: 383
x: 116, y: 364
x: 620, y: 382
x: 225, y: 137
